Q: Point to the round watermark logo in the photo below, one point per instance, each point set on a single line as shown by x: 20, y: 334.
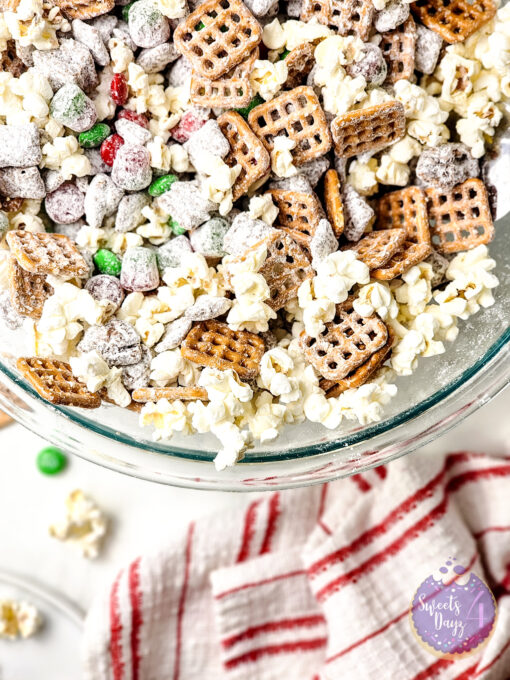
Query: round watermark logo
x: 453, y: 612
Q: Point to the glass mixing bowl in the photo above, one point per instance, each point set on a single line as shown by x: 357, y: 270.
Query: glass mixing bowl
x: 443, y: 390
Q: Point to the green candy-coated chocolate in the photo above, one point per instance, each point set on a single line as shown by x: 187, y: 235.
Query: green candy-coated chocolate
x: 107, y: 262
x: 257, y: 99
x: 200, y: 26
x: 176, y: 227
x: 95, y: 136
x: 125, y: 10
x: 161, y: 185
x: 51, y: 461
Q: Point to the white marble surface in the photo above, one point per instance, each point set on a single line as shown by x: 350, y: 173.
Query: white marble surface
x: 143, y: 514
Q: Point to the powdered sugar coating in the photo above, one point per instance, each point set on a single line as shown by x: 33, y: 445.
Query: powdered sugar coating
x: 117, y: 342
x: 358, y: 215
x: 171, y: 253
x: 207, y: 139
x: 66, y: 204
x: 20, y: 146
x: 129, y: 212
x: 175, y: 332
x: 323, y: 242
x: 71, y: 107
x: 72, y: 62
x: 104, y: 287
x: 371, y: 66
x: 428, y: 48
x: 446, y: 166
x: 8, y: 314
x: 132, y: 167
x: 136, y: 376
x: 154, y: 59
x: 139, y: 270
x: 244, y: 233
x: 101, y: 200
x: 208, y: 238
x: 22, y: 182
x: 394, y: 14
x: 208, y: 307
x: 147, y: 26
x: 186, y: 204
x: 131, y: 132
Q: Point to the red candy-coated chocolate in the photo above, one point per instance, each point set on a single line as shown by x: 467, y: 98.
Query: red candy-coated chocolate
x: 189, y: 123
x: 137, y: 118
x: 119, y: 90
x: 109, y: 148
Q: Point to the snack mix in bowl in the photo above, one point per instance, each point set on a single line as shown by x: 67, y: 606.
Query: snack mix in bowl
x: 230, y: 217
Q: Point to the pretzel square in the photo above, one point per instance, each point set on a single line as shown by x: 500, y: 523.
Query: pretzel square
x: 378, y: 247
x: 28, y: 291
x: 298, y: 115
x: 245, y: 149
x: 361, y: 374
x: 171, y: 393
x: 333, y: 201
x: 369, y: 129
x: 55, y: 382
x: 285, y: 268
x: 398, y: 48
x: 299, y: 213
x: 43, y: 253
x: 299, y: 63
x: 84, y: 9
x: 460, y: 218
x: 10, y: 205
x: 231, y: 91
x: 350, y: 17
x: 454, y: 20
x: 212, y: 343
x: 346, y: 342
x: 405, y: 209
x: 217, y: 36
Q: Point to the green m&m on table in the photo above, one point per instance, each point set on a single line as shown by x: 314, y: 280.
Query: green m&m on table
x: 51, y: 460
x: 95, y: 136
x: 107, y: 262
x: 161, y: 185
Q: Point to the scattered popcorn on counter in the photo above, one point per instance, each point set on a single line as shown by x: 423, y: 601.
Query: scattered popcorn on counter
x: 84, y: 525
x: 18, y: 619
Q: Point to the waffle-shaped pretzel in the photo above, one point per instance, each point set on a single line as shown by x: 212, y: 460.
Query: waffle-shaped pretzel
x: 285, y: 268
x: 212, y: 343
x: 299, y: 63
x: 361, y: 374
x: 299, y: 213
x: 55, y: 381
x: 333, y: 201
x: 28, y: 291
x: 369, y: 129
x: 405, y: 209
x: 298, y: 115
x: 43, y: 253
x: 460, y: 218
x: 171, y: 393
x: 346, y: 342
x: 350, y: 17
x: 398, y: 48
x: 217, y: 36
x: 246, y: 150
x: 454, y: 20
x: 231, y: 91
x: 84, y: 9
x: 378, y: 247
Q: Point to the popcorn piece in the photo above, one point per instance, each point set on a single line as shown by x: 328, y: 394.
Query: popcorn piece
x: 416, y: 292
x: 147, y: 25
x: 19, y: 146
x: 281, y: 157
x: 376, y: 298
x: 267, y: 78
x: 101, y: 200
x: 186, y: 204
x: 22, y: 182
x: 84, y: 525
x: 359, y: 216
x: 18, y: 619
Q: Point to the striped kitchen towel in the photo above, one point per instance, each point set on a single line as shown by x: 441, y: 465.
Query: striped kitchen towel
x: 315, y: 583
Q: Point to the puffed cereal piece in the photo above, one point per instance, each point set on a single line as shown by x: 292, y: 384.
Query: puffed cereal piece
x: 359, y: 216
x: 105, y: 287
x: 137, y: 376
x: 148, y: 27
x: 210, y: 139
x: 428, y: 48
x: 155, y: 59
x: 129, y: 212
x: 208, y: 238
x: 208, y: 307
x: 171, y: 253
x: 185, y: 204
x: 299, y: 63
x: 139, y: 270
x: 85, y: 9
x: 72, y: 62
x: 22, y: 182
x: 132, y: 168
x: 394, y: 14
x: 71, y: 107
x: 371, y: 66
x: 66, y: 204
x: 91, y: 37
x: 175, y: 332
x: 20, y: 146
x: 117, y: 342
x: 244, y: 233
x: 446, y: 166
